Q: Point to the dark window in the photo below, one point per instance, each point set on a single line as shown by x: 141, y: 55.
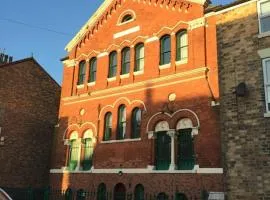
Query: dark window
x: 81, y: 195
x: 107, y: 126
x: 121, y: 126
x: 119, y: 192
x: 81, y: 76
x: 139, y: 192
x: 180, y: 196
x: 102, y: 192
x: 126, y: 18
x: 165, y: 50
x: 93, y: 70
x: 185, y: 154
x: 112, y: 64
x: 181, y: 45
x: 162, y: 196
x: 73, y: 154
x: 125, y: 60
x: 163, y: 151
x: 88, y: 153
x: 136, y: 123
x: 68, y: 194
x: 139, y: 57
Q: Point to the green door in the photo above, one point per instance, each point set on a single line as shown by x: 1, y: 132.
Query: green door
x: 163, y: 151
x: 185, y: 153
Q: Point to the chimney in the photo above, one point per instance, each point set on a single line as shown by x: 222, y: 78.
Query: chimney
x: 4, y: 59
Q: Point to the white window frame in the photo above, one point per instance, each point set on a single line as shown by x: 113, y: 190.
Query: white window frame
x: 262, y: 16
x: 266, y: 84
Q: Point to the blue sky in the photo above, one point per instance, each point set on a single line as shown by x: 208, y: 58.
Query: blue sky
x: 63, y: 17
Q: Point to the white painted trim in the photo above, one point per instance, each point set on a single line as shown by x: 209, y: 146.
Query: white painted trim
x: 121, y: 141
x: 138, y: 73
x: 124, y: 76
x: 264, y: 53
x: 91, y: 83
x: 266, y: 115
x: 80, y: 86
x: 210, y: 171
x: 166, y: 66
x: 196, y: 23
x: 126, y: 32
x: 69, y: 63
x: 266, y: 84
x: 102, y: 54
x: 151, y: 39
x: 126, y: 12
x: 111, y: 79
x: 265, y: 34
x: 181, y: 62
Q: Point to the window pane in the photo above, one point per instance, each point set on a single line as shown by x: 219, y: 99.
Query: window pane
x: 268, y: 93
x: 166, y: 57
x: 265, y: 8
x: 184, y: 53
x: 81, y: 75
x: 183, y: 39
x: 167, y: 44
x: 267, y: 70
x: 265, y: 24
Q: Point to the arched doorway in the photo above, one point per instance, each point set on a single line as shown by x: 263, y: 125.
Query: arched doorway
x: 119, y: 192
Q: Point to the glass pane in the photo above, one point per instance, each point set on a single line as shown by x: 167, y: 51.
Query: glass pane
x: 267, y: 69
x: 265, y: 24
x: 183, y: 39
x: 166, y: 44
x: 268, y: 93
x: 166, y: 57
x: 184, y: 53
x: 265, y: 8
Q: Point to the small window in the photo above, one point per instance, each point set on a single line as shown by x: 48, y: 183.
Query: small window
x: 125, y: 61
x: 121, y: 126
x: 112, y: 64
x: 136, y: 123
x: 107, y: 127
x: 139, y: 192
x: 81, y: 75
x: 93, y: 70
x: 266, y: 71
x: 139, y: 57
x: 126, y: 18
x: 165, y: 50
x: 264, y: 16
x: 181, y: 46
x: 102, y: 192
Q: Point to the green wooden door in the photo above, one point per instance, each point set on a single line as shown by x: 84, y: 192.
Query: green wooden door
x: 185, y: 153
x: 163, y: 151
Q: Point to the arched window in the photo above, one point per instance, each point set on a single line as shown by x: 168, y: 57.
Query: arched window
x: 162, y: 196
x: 101, y: 192
x: 126, y: 18
x: 88, y: 149
x: 181, y: 45
x: 136, y: 123
x: 165, y: 50
x: 125, y: 60
x: 73, y: 151
x: 93, y: 70
x: 119, y: 192
x: 81, y: 74
x: 107, y: 126
x: 112, y: 64
x: 139, y: 192
x: 139, y: 57
x: 121, y: 126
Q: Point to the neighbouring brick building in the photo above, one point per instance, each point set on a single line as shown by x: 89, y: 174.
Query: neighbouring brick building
x: 139, y: 110
x: 29, y: 104
x: 243, y: 35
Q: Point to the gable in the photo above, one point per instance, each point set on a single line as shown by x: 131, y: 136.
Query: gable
x: 108, y: 9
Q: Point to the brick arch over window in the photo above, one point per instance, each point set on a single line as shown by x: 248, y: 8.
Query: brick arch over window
x: 80, y: 129
x: 71, y: 128
x: 126, y: 13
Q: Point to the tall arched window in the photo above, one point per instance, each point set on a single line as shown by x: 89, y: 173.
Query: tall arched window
x: 139, y: 57
x: 165, y: 50
x: 112, y: 64
x: 121, y: 125
x: 101, y: 192
x: 107, y: 126
x: 139, y: 192
x: 73, y: 151
x: 81, y: 74
x: 119, y: 192
x: 88, y: 149
x: 136, y: 123
x: 93, y: 70
x: 181, y: 45
x: 125, y: 60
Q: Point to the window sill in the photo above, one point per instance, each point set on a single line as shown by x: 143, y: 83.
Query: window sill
x: 181, y: 62
x: 138, y: 73
x: 166, y: 66
x: 111, y: 79
x: 266, y: 115
x: 91, y: 83
x: 121, y: 141
x: 80, y: 86
x: 124, y: 76
x: 265, y: 34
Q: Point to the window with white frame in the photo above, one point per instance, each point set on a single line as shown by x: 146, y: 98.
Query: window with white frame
x: 264, y: 15
x: 266, y: 72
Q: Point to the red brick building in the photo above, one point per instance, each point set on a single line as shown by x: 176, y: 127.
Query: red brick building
x: 138, y: 112
x: 29, y: 103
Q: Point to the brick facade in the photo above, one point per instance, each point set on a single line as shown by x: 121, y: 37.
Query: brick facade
x: 26, y: 93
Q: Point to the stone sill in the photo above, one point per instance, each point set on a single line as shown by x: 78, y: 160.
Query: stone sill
x: 80, y: 86
x: 166, y: 66
x: 120, y: 141
x: 124, y: 76
x: 111, y: 79
x: 266, y: 115
x: 181, y: 62
x: 265, y: 34
x: 138, y: 73
x: 91, y: 83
